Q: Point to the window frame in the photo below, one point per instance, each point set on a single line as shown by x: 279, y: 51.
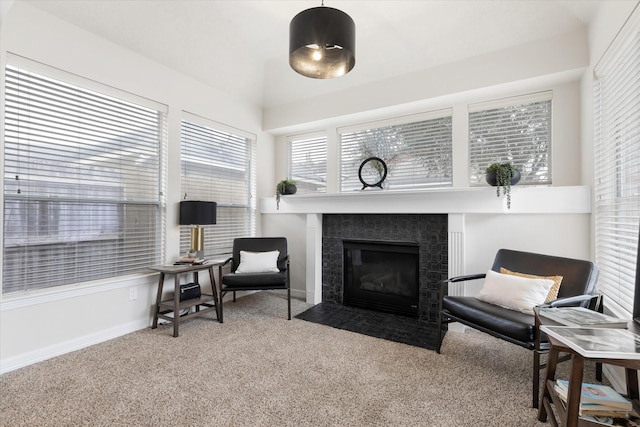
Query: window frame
x: 218, y: 240
x: 48, y: 88
x: 515, y: 139
x: 402, y: 160
x: 617, y: 170
x: 305, y: 183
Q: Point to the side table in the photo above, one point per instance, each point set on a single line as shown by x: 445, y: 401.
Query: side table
x: 569, y: 416
x: 208, y: 302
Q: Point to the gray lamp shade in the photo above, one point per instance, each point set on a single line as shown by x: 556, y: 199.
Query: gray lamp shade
x: 197, y: 212
x: 322, y: 43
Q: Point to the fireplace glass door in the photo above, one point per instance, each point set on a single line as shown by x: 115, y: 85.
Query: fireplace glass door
x: 382, y: 276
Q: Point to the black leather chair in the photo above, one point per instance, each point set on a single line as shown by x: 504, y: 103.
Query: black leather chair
x: 234, y: 282
x: 578, y: 288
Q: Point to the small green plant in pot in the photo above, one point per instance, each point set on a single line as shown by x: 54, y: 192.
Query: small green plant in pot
x: 286, y: 186
x: 503, y: 175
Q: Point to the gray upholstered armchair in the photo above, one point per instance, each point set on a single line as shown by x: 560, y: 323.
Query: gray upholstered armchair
x: 255, y: 266
x: 578, y: 287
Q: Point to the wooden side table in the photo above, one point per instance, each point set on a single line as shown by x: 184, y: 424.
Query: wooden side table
x: 569, y: 417
x: 208, y: 302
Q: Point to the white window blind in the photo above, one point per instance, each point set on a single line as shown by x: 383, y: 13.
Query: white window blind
x: 617, y: 165
x: 82, y: 183
x: 218, y: 165
x: 416, y: 149
x: 308, y: 162
x: 515, y: 130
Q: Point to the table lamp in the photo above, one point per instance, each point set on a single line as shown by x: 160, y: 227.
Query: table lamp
x: 197, y: 213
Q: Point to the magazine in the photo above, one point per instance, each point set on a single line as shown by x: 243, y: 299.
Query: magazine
x: 597, y: 342
x: 583, y: 317
x: 602, y: 395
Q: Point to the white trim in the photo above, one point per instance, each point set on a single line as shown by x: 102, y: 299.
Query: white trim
x: 42, y: 296
x: 306, y: 135
x: 524, y: 200
x: 84, y: 82
x: 203, y: 121
x: 58, y: 349
x: 546, y: 95
x: 394, y: 121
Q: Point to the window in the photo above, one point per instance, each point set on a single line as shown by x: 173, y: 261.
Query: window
x: 416, y: 149
x: 82, y: 183
x: 218, y: 166
x: 308, y: 162
x: 516, y: 130
x: 617, y: 166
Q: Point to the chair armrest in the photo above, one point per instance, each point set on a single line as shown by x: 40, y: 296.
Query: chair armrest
x: 465, y: 278
x: 226, y: 261
x: 444, y: 284
x: 568, y: 301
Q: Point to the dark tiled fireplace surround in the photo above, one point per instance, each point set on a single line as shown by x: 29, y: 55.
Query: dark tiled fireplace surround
x: 429, y: 231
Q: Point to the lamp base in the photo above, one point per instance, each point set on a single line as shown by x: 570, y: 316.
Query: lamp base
x: 197, y: 242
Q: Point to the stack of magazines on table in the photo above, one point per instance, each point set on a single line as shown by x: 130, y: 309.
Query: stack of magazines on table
x: 600, y: 403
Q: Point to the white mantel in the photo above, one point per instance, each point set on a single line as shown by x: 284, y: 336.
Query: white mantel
x: 456, y: 202
x: 524, y: 199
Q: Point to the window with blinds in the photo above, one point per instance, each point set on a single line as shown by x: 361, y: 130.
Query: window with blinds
x: 218, y: 165
x: 82, y: 183
x: 617, y: 165
x: 416, y: 149
x: 308, y: 162
x: 515, y: 130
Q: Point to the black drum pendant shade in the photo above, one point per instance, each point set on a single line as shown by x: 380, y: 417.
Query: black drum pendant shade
x: 322, y: 43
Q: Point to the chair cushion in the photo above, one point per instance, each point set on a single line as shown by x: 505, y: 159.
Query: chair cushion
x: 489, y: 317
x: 255, y: 280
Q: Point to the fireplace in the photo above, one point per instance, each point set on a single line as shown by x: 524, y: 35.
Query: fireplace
x: 382, y: 276
x: 428, y: 232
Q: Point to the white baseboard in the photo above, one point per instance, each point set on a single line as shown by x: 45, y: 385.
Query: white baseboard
x: 16, y: 362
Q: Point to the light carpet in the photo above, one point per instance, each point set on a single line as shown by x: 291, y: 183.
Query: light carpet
x: 259, y: 369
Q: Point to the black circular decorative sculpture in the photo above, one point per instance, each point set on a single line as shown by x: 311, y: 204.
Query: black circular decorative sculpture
x: 379, y: 170
x: 322, y: 43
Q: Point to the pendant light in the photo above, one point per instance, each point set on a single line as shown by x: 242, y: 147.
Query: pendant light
x: 322, y: 43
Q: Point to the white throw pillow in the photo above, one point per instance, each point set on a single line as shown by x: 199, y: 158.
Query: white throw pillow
x: 513, y: 292
x: 258, y: 262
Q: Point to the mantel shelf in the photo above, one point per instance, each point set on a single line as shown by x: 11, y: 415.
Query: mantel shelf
x: 524, y: 200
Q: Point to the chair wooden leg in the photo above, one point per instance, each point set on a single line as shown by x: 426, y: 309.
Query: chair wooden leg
x: 289, y: 301
x: 234, y: 296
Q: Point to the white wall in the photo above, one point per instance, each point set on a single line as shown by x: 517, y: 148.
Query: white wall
x: 38, y: 325
x: 561, y: 234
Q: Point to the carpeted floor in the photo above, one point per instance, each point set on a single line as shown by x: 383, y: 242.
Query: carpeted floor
x: 259, y: 369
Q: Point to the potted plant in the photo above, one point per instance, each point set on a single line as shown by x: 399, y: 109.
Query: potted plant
x: 503, y: 175
x: 286, y: 186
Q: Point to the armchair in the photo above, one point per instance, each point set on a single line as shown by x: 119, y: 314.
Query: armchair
x: 577, y: 288
x: 257, y: 276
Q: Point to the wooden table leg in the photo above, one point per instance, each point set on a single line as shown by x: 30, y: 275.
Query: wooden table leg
x: 158, y: 299
x: 214, y: 292
x: 176, y: 304
x: 575, y: 388
x: 632, y: 383
x: 552, y: 362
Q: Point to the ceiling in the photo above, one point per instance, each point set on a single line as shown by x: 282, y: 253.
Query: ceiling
x: 241, y: 46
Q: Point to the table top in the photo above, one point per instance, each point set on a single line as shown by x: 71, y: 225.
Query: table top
x: 613, y: 352
x: 182, y: 268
